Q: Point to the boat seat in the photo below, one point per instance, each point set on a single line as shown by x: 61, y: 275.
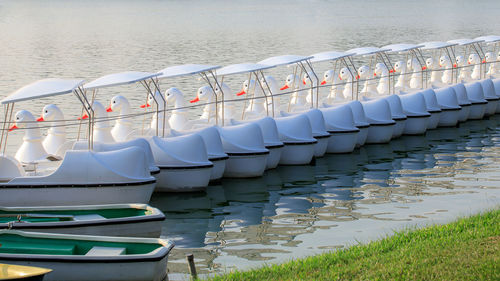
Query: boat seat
x: 88, y: 217
x: 36, y: 248
x: 106, y: 251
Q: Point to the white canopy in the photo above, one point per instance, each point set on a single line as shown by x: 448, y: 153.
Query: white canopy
x: 44, y: 88
x: 184, y: 70
x: 365, y: 51
x: 284, y: 60
x: 241, y: 68
x: 121, y: 78
x: 489, y: 38
x: 465, y: 41
x: 403, y: 47
x: 332, y: 55
x: 436, y: 45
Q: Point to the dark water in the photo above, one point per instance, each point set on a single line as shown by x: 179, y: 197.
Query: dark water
x: 296, y: 211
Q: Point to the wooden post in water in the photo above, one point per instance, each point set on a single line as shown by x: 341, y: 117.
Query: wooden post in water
x: 192, y: 267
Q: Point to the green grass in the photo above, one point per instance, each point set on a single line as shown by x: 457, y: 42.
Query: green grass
x: 468, y: 249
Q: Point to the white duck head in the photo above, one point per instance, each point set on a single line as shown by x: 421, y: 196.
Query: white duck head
x: 31, y: 149
x: 473, y: 59
x: 56, y: 135
x: 119, y: 104
x: 251, y: 87
x: 414, y: 64
x: 228, y: 94
x: 51, y: 113
x: 156, y: 99
x: 444, y: 61
x: 400, y: 67
x: 207, y: 95
x: 100, y: 115
x: 489, y: 57
x: 123, y: 125
x: 345, y: 74
x: 460, y: 61
x: 175, y: 97
x: 381, y: 70
x: 291, y: 82
x: 429, y: 63
x: 364, y: 72
x: 328, y: 77
x: 25, y: 120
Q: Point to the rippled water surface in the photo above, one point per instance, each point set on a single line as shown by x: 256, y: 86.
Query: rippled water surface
x: 339, y: 201
x: 291, y: 211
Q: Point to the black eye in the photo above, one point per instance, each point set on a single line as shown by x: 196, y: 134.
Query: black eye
x: 114, y: 101
x: 46, y: 111
x: 17, y: 118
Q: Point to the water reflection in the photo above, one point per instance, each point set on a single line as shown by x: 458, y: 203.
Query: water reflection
x: 262, y: 219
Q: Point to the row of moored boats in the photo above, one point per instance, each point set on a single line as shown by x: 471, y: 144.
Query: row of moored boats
x: 63, y: 195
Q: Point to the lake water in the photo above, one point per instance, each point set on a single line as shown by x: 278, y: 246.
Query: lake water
x: 340, y: 201
x: 291, y: 211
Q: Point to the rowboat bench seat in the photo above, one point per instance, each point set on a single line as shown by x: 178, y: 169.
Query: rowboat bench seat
x: 36, y: 248
x: 88, y: 217
x: 106, y: 251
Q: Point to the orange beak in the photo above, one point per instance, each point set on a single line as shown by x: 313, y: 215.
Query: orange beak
x: 484, y: 61
x: 240, y: 93
x: 284, y: 87
x: 392, y: 71
x: 197, y: 99
x: 468, y: 62
x: 109, y: 109
x: 304, y: 81
x: 145, y: 105
x: 340, y: 77
x: 424, y: 67
x: 85, y: 116
x: 323, y: 82
x: 455, y: 65
x: 40, y: 119
x: 13, y: 127
x: 374, y: 74
x: 357, y: 77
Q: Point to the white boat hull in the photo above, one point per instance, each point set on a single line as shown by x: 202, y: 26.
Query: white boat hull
x: 464, y: 113
x: 449, y: 118
x: 274, y: 156
x: 69, y: 196
x: 362, y: 136
x: 297, y: 153
x: 246, y: 166
x: 399, y: 128
x: 416, y: 125
x: 491, y: 108
x: 100, y: 271
x: 342, y: 142
x: 218, y: 169
x: 321, y: 146
x: 433, y: 120
x: 185, y: 179
x: 477, y: 111
x: 380, y: 133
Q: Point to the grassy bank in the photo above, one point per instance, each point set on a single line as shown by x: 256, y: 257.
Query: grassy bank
x: 468, y: 249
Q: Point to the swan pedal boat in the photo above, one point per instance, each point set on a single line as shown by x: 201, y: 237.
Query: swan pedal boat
x: 20, y: 272
x: 82, y: 177
x: 182, y: 160
x: 127, y: 220
x: 84, y: 257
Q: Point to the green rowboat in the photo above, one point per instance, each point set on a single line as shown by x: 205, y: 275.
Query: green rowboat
x: 82, y: 257
x: 129, y: 220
